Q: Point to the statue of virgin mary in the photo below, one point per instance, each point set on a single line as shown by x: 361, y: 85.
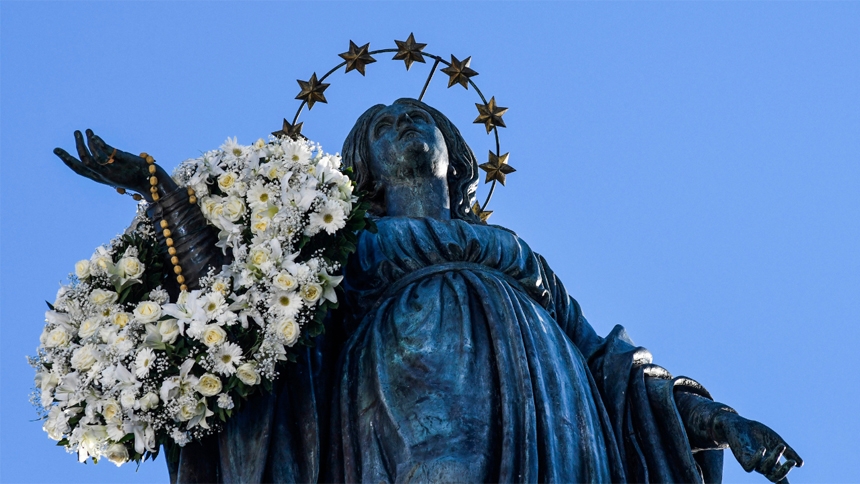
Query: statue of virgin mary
x: 458, y: 355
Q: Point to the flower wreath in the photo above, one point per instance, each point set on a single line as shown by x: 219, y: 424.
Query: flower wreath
x: 122, y: 370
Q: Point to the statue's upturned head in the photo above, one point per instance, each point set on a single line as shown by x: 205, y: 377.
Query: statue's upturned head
x: 374, y: 137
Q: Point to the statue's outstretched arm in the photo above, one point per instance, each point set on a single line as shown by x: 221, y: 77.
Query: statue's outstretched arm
x: 756, y: 446
x: 192, y: 239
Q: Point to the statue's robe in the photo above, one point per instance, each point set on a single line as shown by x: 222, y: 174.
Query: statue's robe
x: 459, y: 356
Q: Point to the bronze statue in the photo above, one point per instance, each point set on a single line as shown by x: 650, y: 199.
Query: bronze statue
x: 458, y: 356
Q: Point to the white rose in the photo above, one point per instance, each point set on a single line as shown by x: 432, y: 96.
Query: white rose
x: 147, y: 312
x: 212, y: 335
x: 148, y: 401
x: 226, y: 181
x: 284, y: 281
x: 260, y: 225
x: 311, y: 292
x: 120, y: 319
x: 247, y: 373
x: 208, y: 204
x: 117, y: 453
x: 289, y: 330
x: 234, y: 208
x: 100, y: 263
x: 208, y: 385
x: 258, y: 256
x: 85, y: 357
x: 100, y: 297
x: 57, y: 337
x: 127, y: 400
x: 89, y: 327
x: 187, y: 411
x: 111, y: 410
x: 169, y: 330
x: 82, y: 269
x: 130, y: 268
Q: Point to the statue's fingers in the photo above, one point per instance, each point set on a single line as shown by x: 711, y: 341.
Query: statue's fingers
x: 749, y: 460
x: 77, y: 166
x: 98, y: 153
x: 83, y: 154
x: 790, y: 454
x: 771, y: 458
x: 109, y: 151
x: 778, y: 474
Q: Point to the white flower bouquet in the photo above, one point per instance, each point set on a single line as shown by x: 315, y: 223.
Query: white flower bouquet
x: 122, y: 370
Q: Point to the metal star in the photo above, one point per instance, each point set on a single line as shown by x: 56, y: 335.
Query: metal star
x: 490, y: 115
x: 294, y: 132
x: 497, y: 168
x: 484, y: 215
x: 312, y: 91
x: 357, y: 57
x: 459, y: 72
x: 409, y: 51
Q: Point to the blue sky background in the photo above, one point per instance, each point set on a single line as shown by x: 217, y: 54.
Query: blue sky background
x: 690, y: 170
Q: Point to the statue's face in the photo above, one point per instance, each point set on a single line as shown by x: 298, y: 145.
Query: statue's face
x: 406, y: 145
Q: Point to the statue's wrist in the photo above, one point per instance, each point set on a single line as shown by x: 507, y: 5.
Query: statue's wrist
x: 719, y: 420
x: 164, y: 186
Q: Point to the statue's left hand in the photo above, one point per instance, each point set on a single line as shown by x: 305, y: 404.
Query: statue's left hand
x: 110, y: 166
x: 756, y: 446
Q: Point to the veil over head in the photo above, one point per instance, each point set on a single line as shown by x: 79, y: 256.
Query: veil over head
x: 462, y: 165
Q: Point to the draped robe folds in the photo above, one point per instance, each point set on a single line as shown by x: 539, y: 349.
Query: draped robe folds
x: 459, y: 356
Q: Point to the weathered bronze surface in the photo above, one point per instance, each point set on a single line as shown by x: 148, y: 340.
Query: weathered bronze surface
x: 456, y: 354
x: 357, y: 57
x: 490, y: 114
x: 312, y: 91
x: 289, y: 130
x: 459, y: 72
x: 497, y: 168
x: 409, y: 51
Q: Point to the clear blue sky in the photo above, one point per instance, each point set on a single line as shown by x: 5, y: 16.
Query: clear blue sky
x: 690, y: 170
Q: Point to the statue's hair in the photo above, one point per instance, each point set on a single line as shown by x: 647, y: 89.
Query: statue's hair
x: 462, y: 165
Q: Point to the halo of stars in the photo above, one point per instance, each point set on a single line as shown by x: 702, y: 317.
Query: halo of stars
x: 459, y: 72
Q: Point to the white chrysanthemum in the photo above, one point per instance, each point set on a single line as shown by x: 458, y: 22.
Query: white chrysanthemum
x: 259, y: 195
x: 226, y: 357
x: 213, y: 304
x: 232, y: 147
x: 143, y: 362
x: 330, y: 217
x: 296, y: 151
x: 285, y: 303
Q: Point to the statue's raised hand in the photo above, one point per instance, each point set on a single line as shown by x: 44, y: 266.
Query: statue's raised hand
x: 104, y: 164
x: 756, y: 446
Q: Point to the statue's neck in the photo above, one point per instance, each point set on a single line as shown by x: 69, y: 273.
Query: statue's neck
x: 421, y: 197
